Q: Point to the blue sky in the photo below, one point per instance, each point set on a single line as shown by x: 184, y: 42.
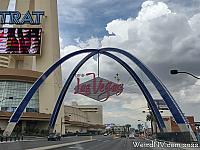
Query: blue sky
x: 83, y: 19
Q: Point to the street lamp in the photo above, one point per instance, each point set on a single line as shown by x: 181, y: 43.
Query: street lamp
x: 62, y: 122
x: 184, y: 72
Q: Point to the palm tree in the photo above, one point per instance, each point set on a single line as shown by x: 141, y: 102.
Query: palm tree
x: 128, y: 128
x: 150, y: 117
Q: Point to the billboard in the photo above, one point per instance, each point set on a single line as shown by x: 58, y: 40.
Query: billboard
x: 20, y: 41
x: 98, y: 88
x: 161, y: 104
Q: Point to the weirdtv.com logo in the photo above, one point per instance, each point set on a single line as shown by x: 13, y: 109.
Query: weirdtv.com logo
x: 154, y: 144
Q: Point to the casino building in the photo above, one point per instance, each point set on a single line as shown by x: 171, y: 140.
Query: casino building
x: 19, y: 72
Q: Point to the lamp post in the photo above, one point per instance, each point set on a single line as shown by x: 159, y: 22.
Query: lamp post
x: 183, y: 72
x: 62, y: 122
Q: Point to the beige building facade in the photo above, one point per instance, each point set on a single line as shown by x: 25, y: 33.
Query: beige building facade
x: 83, y: 118
x: 18, y: 73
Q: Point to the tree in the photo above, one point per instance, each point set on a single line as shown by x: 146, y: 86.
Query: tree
x: 128, y: 128
x: 140, y: 126
x: 150, y: 117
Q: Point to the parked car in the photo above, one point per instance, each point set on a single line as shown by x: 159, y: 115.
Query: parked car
x: 131, y: 136
x: 136, y: 135
x: 105, y: 134
x: 54, y: 137
x: 123, y: 135
x: 84, y: 134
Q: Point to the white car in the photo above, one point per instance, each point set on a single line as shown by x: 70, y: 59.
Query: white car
x: 105, y: 134
x: 131, y: 136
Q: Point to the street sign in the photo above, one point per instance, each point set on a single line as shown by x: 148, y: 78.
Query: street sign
x: 161, y: 104
x: 98, y: 88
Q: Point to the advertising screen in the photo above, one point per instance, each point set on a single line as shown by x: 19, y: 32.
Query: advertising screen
x: 20, y: 41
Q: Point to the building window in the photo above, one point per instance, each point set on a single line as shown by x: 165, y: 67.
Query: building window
x: 32, y: 110
x: 11, y: 94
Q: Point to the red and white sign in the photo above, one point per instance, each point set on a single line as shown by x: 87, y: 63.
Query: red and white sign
x: 98, y: 88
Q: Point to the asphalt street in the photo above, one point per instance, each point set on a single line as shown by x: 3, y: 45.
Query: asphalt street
x: 30, y: 143
x: 107, y: 143
x: 85, y: 143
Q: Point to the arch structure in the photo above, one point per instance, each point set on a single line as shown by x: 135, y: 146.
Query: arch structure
x: 143, y: 88
x: 165, y: 94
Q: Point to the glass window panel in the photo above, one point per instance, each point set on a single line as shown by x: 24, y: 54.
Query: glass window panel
x: 11, y: 94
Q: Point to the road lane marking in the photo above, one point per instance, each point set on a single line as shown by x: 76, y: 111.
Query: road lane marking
x: 59, y: 145
x: 13, y: 141
x: 21, y: 141
x: 30, y: 140
x: 77, y: 146
x: 106, y: 141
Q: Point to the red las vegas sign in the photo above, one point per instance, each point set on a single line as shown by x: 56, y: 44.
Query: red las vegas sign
x: 98, y: 88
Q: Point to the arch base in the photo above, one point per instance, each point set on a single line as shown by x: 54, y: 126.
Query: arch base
x: 187, y: 128
x: 10, y: 127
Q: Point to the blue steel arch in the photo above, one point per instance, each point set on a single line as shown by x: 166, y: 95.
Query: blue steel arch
x: 143, y: 88
x: 165, y: 94
x: 18, y: 112
x: 170, y: 102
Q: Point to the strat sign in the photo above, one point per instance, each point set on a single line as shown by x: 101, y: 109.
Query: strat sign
x: 15, y: 17
x: 98, y: 88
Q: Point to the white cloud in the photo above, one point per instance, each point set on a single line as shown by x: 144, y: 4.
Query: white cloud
x: 160, y: 38
x: 151, y: 10
x: 195, y: 22
x: 61, y: 42
x: 90, y: 43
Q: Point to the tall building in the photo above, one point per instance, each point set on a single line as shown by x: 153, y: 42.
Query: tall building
x: 19, y: 72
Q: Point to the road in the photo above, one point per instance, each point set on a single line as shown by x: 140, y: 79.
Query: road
x: 85, y: 143
x: 30, y: 143
x: 107, y: 143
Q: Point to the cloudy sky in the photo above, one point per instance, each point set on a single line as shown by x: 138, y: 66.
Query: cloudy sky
x: 164, y: 34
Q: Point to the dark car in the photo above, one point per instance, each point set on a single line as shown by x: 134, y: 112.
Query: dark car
x: 54, y: 137
x: 123, y: 135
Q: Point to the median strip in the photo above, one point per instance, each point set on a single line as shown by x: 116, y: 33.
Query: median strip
x: 60, y: 145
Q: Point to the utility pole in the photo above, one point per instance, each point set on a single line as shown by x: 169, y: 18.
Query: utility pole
x: 61, y: 125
